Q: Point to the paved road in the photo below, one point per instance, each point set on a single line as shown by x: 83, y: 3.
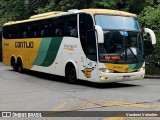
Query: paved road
x: 32, y: 91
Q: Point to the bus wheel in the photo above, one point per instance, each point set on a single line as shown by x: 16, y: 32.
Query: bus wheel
x: 13, y: 64
x: 19, y: 67
x: 71, y: 74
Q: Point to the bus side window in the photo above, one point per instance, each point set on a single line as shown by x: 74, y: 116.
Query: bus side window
x: 33, y: 33
x: 24, y: 30
x: 44, y: 33
x: 24, y: 34
x: 91, y: 43
x: 7, y: 32
x: 82, y: 30
x: 56, y: 27
x: 44, y: 28
x: 10, y: 35
x: 14, y: 31
x: 87, y: 36
x: 70, y: 26
x: 58, y: 32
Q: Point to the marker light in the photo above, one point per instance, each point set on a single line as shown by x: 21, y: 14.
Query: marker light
x: 105, y: 70
x: 141, y: 69
x: 103, y: 78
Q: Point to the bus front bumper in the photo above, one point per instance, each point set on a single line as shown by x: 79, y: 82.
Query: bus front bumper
x: 120, y: 77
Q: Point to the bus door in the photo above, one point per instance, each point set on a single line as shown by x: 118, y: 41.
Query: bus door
x: 88, y: 68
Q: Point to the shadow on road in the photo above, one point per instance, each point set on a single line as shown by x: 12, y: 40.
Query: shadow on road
x: 51, y: 77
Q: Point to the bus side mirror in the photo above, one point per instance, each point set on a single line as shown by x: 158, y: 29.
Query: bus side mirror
x: 152, y: 35
x: 100, y: 35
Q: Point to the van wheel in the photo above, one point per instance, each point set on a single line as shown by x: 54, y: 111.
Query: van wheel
x: 71, y: 74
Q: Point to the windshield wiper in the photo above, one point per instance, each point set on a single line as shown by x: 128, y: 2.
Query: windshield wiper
x: 135, y: 57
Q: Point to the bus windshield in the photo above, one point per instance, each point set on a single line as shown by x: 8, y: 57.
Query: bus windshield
x: 127, y: 45
x: 117, y: 22
x: 123, y: 39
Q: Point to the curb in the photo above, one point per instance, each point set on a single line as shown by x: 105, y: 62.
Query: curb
x: 152, y: 76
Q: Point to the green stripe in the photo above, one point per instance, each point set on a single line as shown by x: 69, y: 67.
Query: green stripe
x: 52, y: 51
x: 49, y: 51
x: 131, y: 66
x: 42, y: 52
x: 139, y: 65
x: 135, y: 66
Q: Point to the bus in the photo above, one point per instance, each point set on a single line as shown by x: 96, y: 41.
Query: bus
x: 97, y: 45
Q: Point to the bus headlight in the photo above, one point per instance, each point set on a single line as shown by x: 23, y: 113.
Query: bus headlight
x: 141, y: 69
x: 105, y: 70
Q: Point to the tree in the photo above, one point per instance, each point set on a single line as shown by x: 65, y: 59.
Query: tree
x: 65, y: 5
x: 150, y: 17
x: 108, y: 4
x: 126, y: 5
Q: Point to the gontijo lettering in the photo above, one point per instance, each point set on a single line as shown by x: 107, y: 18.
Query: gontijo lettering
x: 24, y: 44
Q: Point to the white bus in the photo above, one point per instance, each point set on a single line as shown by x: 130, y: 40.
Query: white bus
x: 97, y: 45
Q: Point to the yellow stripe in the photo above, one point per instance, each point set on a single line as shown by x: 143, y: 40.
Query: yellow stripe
x: 58, y: 108
x: 125, y: 104
x: 112, y: 103
x: 82, y: 106
x: 114, y: 118
x: 62, y: 105
x: 107, y: 11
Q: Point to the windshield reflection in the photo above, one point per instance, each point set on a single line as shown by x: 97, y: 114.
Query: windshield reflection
x: 129, y: 45
x: 117, y: 22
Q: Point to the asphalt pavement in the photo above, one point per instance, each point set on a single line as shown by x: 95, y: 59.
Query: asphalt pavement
x: 34, y: 91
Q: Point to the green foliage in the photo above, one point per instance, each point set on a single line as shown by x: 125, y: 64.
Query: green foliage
x: 150, y: 17
x: 106, y: 4
x: 127, y: 5
x: 65, y: 5
x: 136, y: 6
x: 151, y: 70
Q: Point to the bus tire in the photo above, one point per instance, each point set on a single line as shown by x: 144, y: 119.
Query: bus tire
x: 19, y: 66
x: 13, y: 64
x: 70, y: 74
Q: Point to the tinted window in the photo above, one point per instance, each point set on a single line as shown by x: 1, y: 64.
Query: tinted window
x: 85, y: 24
x: 56, y: 27
x: 70, y: 26
x: 44, y: 28
x: 53, y: 27
x: 87, y: 36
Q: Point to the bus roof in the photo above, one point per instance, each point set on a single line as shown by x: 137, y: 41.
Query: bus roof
x: 37, y: 17
x: 57, y: 13
x: 108, y: 11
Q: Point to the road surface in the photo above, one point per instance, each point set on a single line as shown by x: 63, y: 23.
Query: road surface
x: 33, y: 91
